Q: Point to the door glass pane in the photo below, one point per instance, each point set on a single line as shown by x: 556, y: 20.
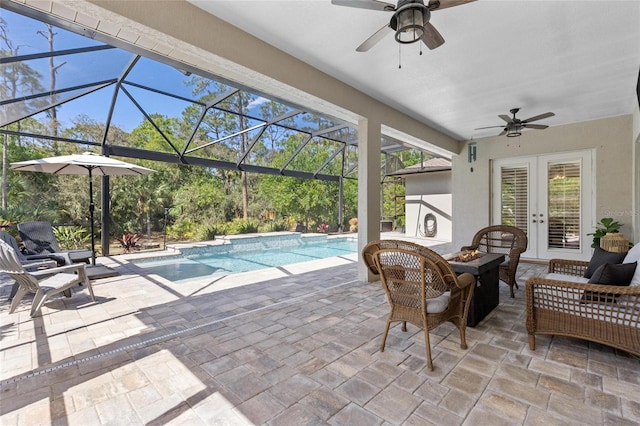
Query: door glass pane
x: 563, y: 181
x: 514, y: 196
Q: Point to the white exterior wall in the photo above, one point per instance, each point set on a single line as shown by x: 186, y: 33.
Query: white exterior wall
x: 429, y: 193
x: 611, y: 139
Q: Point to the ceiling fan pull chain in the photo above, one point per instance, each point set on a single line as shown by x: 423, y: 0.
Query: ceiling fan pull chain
x: 399, y: 56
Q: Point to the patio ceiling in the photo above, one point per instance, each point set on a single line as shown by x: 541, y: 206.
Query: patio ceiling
x: 578, y: 59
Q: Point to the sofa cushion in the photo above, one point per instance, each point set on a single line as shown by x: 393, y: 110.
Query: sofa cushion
x: 564, y: 277
x: 600, y: 257
x: 633, y: 255
x: 610, y: 274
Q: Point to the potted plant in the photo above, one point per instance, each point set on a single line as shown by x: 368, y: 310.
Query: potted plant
x: 606, y: 226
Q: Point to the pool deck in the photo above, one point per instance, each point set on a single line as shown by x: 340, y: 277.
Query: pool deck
x: 292, y: 345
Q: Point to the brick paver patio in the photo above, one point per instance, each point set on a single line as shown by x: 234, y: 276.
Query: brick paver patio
x: 294, y: 345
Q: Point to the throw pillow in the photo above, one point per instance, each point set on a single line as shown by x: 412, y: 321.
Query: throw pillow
x: 609, y: 274
x: 633, y: 255
x: 600, y: 257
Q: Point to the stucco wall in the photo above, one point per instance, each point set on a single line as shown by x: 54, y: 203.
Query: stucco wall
x: 636, y: 181
x: 428, y: 193
x: 611, y: 138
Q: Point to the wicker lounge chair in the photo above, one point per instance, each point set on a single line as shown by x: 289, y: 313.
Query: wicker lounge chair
x: 504, y: 239
x: 38, y: 238
x: 44, y: 283
x: 421, y: 288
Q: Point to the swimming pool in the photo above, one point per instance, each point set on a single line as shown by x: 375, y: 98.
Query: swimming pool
x: 243, y: 254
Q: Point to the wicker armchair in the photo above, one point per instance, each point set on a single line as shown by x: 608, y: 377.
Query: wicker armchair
x: 421, y: 288
x: 558, y: 307
x: 504, y: 239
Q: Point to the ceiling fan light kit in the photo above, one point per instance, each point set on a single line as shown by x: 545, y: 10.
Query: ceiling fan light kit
x: 408, y: 21
x: 514, y: 131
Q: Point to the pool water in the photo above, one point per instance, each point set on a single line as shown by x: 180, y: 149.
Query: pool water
x: 244, y: 257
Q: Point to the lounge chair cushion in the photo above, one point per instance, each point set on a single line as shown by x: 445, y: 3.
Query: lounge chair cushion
x: 600, y: 257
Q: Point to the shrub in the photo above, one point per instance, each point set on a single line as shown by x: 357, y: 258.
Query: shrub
x: 243, y: 226
x: 279, y: 225
x: 208, y: 232
x: 71, y: 237
x: 182, y: 230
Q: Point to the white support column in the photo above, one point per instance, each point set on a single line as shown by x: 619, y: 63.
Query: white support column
x: 368, y: 188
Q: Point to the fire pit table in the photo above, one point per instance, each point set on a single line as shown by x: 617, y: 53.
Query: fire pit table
x: 486, y: 268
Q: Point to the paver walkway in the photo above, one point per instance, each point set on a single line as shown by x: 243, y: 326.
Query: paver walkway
x: 295, y: 345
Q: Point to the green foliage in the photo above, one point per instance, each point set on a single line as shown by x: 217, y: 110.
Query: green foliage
x: 606, y: 226
x: 21, y: 213
x: 242, y: 226
x: 208, y: 232
x: 183, y: 230
x: 71, y: 237
x: 278, y: 226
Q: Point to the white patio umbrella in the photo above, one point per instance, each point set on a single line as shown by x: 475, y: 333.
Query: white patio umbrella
x: 86, y: 163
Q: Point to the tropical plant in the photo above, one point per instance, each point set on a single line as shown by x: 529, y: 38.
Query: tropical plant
x: 208, y: 232
x: 279, y: 225
x: 606, y: 226
x: 129, y: 242
x: 182, y: 229
x: 71, y: 237
x: 243, y: 226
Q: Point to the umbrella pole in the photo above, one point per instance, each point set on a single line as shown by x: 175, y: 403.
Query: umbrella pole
x: 91, y: 208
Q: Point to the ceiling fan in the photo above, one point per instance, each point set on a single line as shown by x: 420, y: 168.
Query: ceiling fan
x: 410, y: 20
x: 515, y: 126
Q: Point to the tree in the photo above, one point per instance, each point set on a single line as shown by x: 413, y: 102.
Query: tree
x: 16, y: 77
x: 53, y: 70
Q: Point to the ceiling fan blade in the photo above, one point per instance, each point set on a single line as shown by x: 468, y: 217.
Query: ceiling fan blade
x: 365, y: 4
x: 502, y: 133
x: 431, y: 37
x: 490, y: 127
x: 506, y: 118
x: 539, y: 117
x: 534, y: 126
x: 449, y: 3
x: 374, y: 39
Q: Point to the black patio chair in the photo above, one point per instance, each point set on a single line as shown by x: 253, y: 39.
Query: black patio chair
x: 38, y: 239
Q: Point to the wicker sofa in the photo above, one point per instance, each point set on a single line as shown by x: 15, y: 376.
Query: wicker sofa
x: 562, y: 303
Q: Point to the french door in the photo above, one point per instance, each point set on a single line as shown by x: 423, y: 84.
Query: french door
x: 550, y: 198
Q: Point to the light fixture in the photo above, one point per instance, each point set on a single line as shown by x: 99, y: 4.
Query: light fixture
x: 514, y: 131
x: 408, y: 21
